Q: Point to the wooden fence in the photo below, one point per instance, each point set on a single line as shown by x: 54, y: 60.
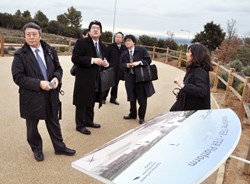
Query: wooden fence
x: 17, y: 42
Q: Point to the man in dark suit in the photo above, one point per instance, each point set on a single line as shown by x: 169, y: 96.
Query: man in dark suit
x: 38, y: 73
x: 114, y: 51
x: 133, y: 57
x: 89, y: 57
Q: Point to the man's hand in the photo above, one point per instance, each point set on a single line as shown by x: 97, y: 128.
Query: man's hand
x: 45, y: 85
x: 131, y: 65
x: 100, y: 62
x: 55, y: 82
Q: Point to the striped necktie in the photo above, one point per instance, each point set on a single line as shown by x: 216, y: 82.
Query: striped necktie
x: 131, y: 59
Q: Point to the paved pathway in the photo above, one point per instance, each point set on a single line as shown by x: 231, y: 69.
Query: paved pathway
x: 17, y: 165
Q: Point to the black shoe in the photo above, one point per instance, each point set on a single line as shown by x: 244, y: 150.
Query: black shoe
x: 129, y: 117
x: 66, y: 151
x: 93, y: 125
x: 38, y: 156
x: 114, y: 102
x: 141, y: 121
x: 84, y: 131
x: 103, y: 101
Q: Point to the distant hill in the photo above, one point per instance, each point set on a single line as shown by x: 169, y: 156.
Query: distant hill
x: 46, y: 36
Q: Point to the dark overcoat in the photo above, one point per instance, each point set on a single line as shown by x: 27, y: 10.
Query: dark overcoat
x: 140, y: 54
x: 87, y: 74
x: 27, y: 75
x: 196, y: 89
x: 113, y: 57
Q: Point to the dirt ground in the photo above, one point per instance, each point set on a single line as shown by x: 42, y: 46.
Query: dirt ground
x: 234, y: 169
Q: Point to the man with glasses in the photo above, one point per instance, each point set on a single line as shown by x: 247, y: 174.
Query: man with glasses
x: 38, y: 73
x: 89, y: 57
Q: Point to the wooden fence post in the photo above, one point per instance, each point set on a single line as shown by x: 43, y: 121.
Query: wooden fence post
x: 229, y: 84
x: 2, y: 45
x: 180, y: 58
x: 216, y: 78
x: 246, y: 169
x: 167, y: 52
x: 69, y: 48
x: 153, y: 57
x: 244, y: 99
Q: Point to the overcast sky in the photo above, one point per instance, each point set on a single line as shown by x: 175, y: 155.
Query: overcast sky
x: 146, y: 16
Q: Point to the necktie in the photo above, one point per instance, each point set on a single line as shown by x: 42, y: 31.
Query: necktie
x: 41, y: 65
x: 130, y: 56
x: 97, y: 50
x: 131, y: 61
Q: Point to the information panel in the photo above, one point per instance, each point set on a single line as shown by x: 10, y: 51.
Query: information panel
x: 174, y: 147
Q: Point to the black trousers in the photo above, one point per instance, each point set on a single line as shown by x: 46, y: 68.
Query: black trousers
x: 52, y: 123
x: 142, y: 108
x: 113, y: 93
x: 84, y: 116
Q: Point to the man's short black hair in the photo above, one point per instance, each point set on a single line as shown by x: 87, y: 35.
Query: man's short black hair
x: 97, y: 23
x: 32, y: 25
x: 119, y: 33
x: 132, y: 37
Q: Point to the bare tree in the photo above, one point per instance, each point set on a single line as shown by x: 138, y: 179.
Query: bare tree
x: 231, y: 29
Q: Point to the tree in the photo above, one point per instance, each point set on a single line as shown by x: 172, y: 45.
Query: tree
x: 70, y: 22
x: 147, y: 40
x: 42, y: 19
x: 231, y: 30
x: 230, y: 46
x: 6, y: 20
x: 26, y: 15
x: 18, y: 13
x: 74, y: 17
x: 211, y: 36
x: 106, y: 36
x: 61, y: 19
x: 228, y: 49
x: 170, y: 43
x: 18, y: 20
x: 54, y: 27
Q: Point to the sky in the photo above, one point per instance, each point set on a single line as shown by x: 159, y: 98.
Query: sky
x: 184, y: 18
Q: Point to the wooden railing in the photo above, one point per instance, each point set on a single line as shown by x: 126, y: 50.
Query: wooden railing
x: 19, y: 41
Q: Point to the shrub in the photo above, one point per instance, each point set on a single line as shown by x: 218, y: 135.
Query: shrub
x: 224, y: 76
x: 238, y: 85
x: 240, y: 88
x: 236, y: 64
x: 246, y: 71
x: 62, y: 49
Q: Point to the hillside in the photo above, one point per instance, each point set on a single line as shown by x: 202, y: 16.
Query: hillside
x: 57, y: 39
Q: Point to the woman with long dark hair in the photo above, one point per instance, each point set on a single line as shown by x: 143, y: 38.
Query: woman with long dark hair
x: 194, y: 91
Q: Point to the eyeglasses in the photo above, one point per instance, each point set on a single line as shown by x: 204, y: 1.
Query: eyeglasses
x: 29, y: 35
x: 95, y: 27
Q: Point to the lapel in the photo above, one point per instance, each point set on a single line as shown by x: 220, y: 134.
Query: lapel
x: 127, y: 56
